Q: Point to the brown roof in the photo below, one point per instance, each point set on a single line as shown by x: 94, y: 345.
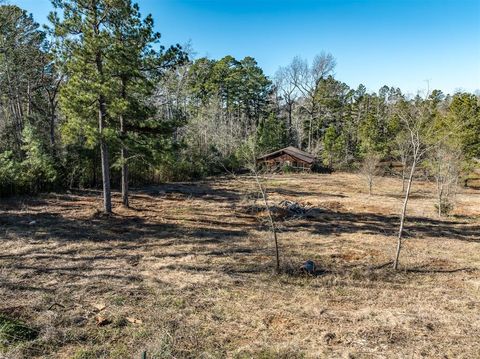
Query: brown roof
x: 292, y: 151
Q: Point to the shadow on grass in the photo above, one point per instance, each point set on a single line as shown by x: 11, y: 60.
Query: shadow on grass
x: 189, y: 190
x: 432, y: 270
x: 114, y: 239
x: 289, y: 192
x: 100, y: 228
x: 99, y: 248
x: 331, y: 222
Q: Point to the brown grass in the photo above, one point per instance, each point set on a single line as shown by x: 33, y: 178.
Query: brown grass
x: 187, y: 272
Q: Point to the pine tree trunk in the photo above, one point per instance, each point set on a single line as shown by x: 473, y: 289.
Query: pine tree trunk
x: 93, y: 180
x: 102, y: 113
x: 123, y: 159
x: 107, y: 196
x: 53, y: 147
x: 52, y: 130
x: 124, y: 153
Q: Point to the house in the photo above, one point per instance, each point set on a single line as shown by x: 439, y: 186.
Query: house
x: 288, y: 156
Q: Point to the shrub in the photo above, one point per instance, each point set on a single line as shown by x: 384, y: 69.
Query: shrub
x: 286, y: 168
x: 9, y: 173
x: 30, y: 173
x: 445, y: 207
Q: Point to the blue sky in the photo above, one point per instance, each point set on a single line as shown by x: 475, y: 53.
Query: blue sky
x: 401, y: 43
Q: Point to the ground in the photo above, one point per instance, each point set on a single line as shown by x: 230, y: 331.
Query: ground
x: 187, y: 272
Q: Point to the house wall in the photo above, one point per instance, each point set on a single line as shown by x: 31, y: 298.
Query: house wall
x: 285, y: 159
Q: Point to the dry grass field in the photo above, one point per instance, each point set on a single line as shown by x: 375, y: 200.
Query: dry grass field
x: 187, y: 273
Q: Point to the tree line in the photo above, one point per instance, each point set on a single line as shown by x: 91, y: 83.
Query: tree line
x: 95, y: 100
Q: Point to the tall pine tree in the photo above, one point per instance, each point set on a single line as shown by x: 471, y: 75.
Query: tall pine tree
x: 85, y: 39
x: 136, y: 65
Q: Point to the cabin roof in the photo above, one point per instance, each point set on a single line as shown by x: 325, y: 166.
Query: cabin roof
x: 292, y: 151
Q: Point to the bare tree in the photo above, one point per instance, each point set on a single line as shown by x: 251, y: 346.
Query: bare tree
x: 263, y: 192
x: 369, y: 169
x: 285, y: 85
x: 52, y: 89
x: 307, y: 80
x: 402, y: 150
x: 250, y: 156
x: 444, y: 164
x: 415, y: 122
x: 426, y: 137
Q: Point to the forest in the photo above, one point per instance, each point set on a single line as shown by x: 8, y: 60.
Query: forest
x: 96, y: 99
x: 135, y: 220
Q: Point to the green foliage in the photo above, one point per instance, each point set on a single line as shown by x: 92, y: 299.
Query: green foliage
x: 464, y: 113
x: 36, y: 172
x: 334, y: 147
x: 9, y: 173
x: 182, y: 170
x: 13, y: 331
x: 372, y: 136
x: 241, y: 85
x: 23, y: 74
x: 286, y: 168
x: 176, y: 119
x: 81, y: 166
x: 83, y: 56
x: 271, y: 134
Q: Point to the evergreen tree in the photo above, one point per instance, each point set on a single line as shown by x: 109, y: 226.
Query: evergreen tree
x: 334, y: 146
x: 26, y: 81
x: 84, y: 34
x: 271, y: 134
x: 133, y: 38
x: 22, y: 68
x: 465, y: 114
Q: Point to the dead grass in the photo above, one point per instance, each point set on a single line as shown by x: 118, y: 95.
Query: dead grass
x: 187, y: 273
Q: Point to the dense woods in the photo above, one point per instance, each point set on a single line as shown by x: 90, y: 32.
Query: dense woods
x: 96, y: 99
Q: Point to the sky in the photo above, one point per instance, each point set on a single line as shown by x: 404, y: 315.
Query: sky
x: 411, y: 44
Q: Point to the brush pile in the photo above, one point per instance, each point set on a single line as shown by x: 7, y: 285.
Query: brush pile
x: 294, y: 209
x: 298, y: 210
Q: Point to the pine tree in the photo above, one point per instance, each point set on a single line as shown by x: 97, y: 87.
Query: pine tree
x: 85, y: 40
x: 133, y: 38
x: 334, y: 146
x: 135, y: 66
x: 271, y: 134
x: 465, y: 114
x: 22, y: 65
